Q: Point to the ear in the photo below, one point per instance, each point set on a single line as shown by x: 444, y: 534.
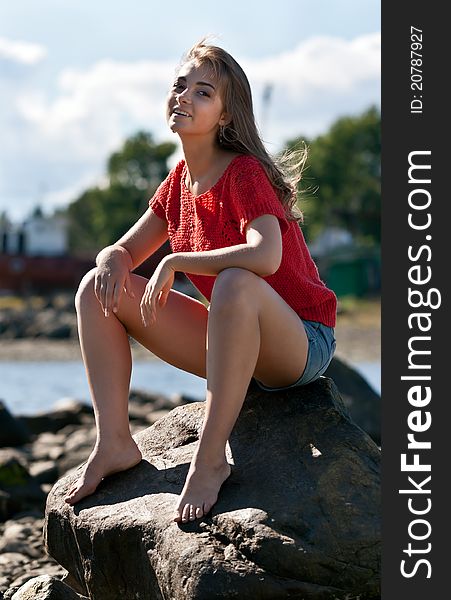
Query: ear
x: 225, y: 119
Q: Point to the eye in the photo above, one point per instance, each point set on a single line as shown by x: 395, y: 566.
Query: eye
x: 204, y: 93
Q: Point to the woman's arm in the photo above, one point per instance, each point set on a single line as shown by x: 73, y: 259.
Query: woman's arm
x: 115, y: 262
x: 141, y: 241
x: 261, y: 254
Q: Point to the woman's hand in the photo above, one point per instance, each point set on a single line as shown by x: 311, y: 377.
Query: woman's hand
x: 112, y: 278
x: 157, y: 291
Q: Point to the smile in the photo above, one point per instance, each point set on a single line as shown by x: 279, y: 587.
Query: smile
x: 180, y: 113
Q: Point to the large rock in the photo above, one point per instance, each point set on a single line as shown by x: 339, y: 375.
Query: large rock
x: 362, y: 402
x: 22, y: 554
x: 299, y: 517
x: 67, y: 412
x: 13, y: 432
x: 19, y: 491
x: 45, y: 587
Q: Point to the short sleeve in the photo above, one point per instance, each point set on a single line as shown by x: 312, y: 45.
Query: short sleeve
x: 254, y: 196
x: 159, y: 200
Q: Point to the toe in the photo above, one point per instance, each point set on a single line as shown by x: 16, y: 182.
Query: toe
x: 69, y: 495
x: 185, y: 513
x: 71, y: 499
x: 199, y: 512
x: 177, y: 515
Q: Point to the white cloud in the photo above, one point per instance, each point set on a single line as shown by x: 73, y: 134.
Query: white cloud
x: 320, y: 80
x: 94, y: 109
x: 21, y: 52
x: 61, y: 140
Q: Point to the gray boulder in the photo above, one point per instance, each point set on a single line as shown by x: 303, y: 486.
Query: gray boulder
x: 45, y: 587
x: 13, y: 432
x: 299, y: 516
x: 69, y: 412
x: 19, y: 491
x: 22, y: 555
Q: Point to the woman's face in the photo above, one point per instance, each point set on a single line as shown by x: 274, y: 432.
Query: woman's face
x: 194, y: 104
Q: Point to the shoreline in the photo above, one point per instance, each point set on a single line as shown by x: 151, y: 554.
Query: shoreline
x: 46, y: 350
x: 356, y: 342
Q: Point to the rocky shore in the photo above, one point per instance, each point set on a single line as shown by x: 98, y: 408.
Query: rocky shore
x: 36, y: 451
x: 38, y: 317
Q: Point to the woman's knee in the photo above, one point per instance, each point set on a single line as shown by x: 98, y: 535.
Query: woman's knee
x: 234, y: 286
x: 85, y: 289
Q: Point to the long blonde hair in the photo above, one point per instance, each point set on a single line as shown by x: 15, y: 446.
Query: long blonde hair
x: 241, y: 134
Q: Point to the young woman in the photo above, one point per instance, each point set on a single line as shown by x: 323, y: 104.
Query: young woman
x: 228, y: 210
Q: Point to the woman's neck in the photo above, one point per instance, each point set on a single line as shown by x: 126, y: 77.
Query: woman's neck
x: 201, y: 159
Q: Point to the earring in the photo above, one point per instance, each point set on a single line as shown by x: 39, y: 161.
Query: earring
x: 221, y: 134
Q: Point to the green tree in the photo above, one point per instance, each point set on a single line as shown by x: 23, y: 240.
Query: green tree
x: 99, y: 216
x: 140, y: 162
x: 344, y: 167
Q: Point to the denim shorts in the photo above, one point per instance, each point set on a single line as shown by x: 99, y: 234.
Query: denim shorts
x: 321, y: 348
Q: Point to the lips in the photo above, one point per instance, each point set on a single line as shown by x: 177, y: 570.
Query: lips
x: 181, y: 113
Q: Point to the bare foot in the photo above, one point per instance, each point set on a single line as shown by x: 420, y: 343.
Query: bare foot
x: 200, y: 491
x: 103, y: 461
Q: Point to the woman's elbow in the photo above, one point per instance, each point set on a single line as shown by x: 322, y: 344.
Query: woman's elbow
x: 270, y: 264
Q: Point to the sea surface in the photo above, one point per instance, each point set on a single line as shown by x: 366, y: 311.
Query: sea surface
x: 27, y: 388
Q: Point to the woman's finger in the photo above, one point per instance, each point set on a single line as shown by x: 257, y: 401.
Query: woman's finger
x: 141, y: 310
x: 116, y: 298
x: 107, y: 298
x: 166, y: 291
x: 164, y: 297
x: 97, y: 284
x: 153, y: 304
x: 144, y: 306
x: 149, y: 305
x: 128, y: 286
x: 102, y: 293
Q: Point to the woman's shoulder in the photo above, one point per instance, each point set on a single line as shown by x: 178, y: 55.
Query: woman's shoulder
x: 247, y: 160
x: 248, y: 170
x: 246, y: 164
x: 169, y: 184
x: 174, y: 176
x: 177, y: 170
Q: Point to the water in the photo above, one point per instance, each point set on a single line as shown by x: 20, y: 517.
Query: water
x: 31, y: 387
x: 371, y: 371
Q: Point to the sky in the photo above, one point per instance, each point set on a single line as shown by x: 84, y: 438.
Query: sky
x: 77, y: 77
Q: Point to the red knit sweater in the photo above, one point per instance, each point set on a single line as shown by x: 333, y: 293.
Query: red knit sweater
x: 218, y: 218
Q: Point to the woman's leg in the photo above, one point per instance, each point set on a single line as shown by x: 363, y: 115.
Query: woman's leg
x: 251, y: 331
x: 178, y: 336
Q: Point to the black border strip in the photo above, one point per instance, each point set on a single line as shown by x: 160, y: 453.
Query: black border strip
x: 405, y: 405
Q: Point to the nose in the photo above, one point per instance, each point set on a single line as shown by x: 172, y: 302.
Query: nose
x: 184, y: 96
